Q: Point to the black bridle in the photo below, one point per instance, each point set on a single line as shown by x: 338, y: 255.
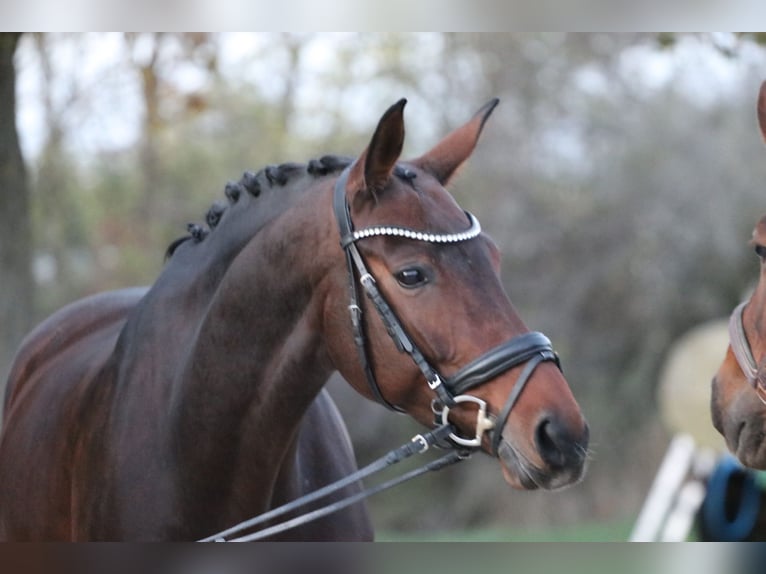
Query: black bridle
x: 530, y: 349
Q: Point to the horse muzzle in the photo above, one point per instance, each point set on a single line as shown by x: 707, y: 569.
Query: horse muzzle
x: 740, y: 419
x: 558, y: 445
x: 561, y: 457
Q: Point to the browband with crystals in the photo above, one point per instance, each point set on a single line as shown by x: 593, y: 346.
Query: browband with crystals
x: 395, y: 231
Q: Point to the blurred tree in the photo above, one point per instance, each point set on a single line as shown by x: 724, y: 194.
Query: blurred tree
x: 156, y: 57
x: 17, y: 292
x: 58, y: 225
x: 144, y: 52
x: 294, y: 45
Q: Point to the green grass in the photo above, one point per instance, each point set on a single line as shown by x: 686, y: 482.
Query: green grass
x: 598, y: 532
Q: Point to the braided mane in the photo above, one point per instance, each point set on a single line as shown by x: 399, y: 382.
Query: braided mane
x: 255, y: 184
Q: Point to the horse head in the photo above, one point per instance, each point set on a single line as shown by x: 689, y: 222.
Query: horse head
x: 433, y: 286
x: 740, y: 382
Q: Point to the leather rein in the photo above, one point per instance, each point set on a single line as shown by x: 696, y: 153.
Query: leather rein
x: 743, y: 352
x: 529, y: 349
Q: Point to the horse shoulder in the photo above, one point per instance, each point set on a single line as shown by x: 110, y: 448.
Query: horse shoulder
x: 324, y: 454
x: 53, y: 383
x: 64, y: 330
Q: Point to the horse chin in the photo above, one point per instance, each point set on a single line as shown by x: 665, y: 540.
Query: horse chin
x: 518, y: 472
x: 521, y: 474
x: 516, y: 480
x: 753, y: 459
x: 743, y: 425
x: 748, y: 443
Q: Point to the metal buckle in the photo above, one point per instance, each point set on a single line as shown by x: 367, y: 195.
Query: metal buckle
x: 356, y: 311
x: 435, y: 382
x: 419, y: 438
x: 483, y: 422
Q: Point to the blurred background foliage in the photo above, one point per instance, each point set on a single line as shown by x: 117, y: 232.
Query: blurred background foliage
x: 621, y: 177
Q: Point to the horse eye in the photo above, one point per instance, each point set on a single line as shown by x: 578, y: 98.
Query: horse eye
x: 760, y: 250
x: 411, y: 277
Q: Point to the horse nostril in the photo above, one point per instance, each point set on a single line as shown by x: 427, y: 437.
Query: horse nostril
x: 556, y: 445
x: 547, y: 439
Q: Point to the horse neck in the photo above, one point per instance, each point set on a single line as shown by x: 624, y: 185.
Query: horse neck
x: 168, y: 319
x: 258, y: 357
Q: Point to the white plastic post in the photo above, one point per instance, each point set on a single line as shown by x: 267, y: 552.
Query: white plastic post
x: 670, y: 476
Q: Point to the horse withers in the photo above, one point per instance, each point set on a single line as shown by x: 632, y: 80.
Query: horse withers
x: 177, y: 411
x: 738, y: 402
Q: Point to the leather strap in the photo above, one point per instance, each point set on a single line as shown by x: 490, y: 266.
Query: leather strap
x: 345, y: 228
x: 500, y: 359
x: 740, y: 346
x: 521, y: 382
x: 418, y: 445
x: 744, y: 353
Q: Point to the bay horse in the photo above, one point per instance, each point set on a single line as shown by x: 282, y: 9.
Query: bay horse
x: 738, y: 398
x: 172, y: 412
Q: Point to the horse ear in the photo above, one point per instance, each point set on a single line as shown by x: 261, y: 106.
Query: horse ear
x: 762, y: 110
x: 444, y: 160
x: 372, y: 170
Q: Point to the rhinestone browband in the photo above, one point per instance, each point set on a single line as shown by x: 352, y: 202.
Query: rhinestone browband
x: 470, y: 233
